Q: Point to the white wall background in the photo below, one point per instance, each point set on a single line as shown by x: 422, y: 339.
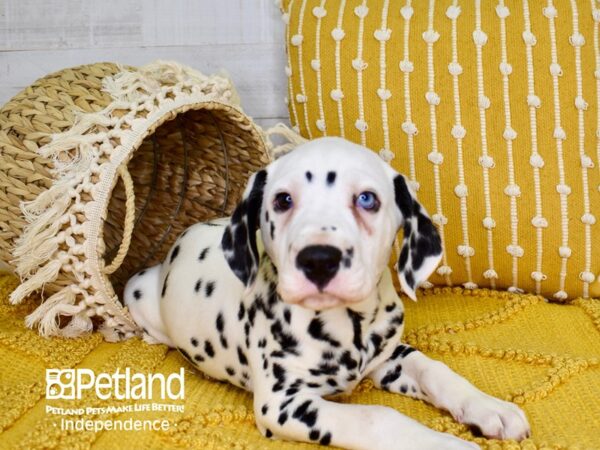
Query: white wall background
x: 244, y: 37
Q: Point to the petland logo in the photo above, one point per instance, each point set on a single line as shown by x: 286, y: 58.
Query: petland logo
x: 69, y: 384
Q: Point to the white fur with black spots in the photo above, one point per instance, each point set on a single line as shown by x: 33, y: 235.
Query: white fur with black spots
x: 291, y: 299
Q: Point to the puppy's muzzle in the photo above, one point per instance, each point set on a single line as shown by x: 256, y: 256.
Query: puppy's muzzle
x: 319, y: 263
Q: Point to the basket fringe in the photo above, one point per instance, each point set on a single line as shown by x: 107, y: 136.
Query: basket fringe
x: 280, y: 129
x: 39, y: 241
x: 52, y: 216
x: 47, y: 315
x: 110, y: 334
x: 46, y: 273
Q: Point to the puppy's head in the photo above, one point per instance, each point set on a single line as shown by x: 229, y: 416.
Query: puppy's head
x: 328, y: 214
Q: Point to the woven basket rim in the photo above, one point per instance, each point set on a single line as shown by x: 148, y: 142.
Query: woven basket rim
x: 108, y: 290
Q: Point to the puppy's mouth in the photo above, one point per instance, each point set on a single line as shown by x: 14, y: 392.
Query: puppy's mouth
x: 320, y: 301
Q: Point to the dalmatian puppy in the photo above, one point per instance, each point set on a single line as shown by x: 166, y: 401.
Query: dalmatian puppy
x: 307, y: 309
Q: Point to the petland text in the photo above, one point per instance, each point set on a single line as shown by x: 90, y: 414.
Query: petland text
x: 121, y: 385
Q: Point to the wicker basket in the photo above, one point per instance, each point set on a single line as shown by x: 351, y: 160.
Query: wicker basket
x: 101, y: 167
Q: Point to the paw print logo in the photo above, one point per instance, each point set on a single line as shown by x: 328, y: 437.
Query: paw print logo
x: 60, y: 384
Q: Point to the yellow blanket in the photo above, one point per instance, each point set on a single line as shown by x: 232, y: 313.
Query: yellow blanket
x: 545, y: 357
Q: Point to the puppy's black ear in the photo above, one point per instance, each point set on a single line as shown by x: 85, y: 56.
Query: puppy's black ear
x: 421, y: 246
x: 239, y: 238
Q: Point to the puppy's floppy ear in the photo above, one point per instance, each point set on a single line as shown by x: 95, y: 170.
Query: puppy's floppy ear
x: 239, y: 238
x: 421, y: 247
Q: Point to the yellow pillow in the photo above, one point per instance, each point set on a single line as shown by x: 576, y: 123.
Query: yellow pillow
x: 491, y: 110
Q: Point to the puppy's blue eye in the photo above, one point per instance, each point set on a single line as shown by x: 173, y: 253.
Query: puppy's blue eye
x: 368, y: 201
x: 282, y: 202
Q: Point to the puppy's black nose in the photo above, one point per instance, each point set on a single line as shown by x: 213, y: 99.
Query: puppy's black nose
x: 319, y: 263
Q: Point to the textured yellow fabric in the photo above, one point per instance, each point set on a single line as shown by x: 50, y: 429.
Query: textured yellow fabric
x: 513, y: 346
x: 489, y: 107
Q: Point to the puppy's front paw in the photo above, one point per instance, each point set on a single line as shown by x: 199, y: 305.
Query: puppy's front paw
x: 495, y: 418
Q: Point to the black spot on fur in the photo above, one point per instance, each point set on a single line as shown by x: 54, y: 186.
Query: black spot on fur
x: 314, y: 435
x: 203, y: 254
x: 264, y: 409
x: 194, y: 342
x: 279, y: 374
x: 390, y: 307
x: 313, y: 385
x: 241, y: 356
x: 230, y: 371
x: 220, y: 322
x: 306, y: 415
x: 356, y: 319
x: 272, y: 231
x: 410, y: 279
x: 391, y: 331
x: 174, y: 254
x: 198, y: 286
x: 227, y: 239
x: 268, y: 433
x: 347, y: 360
x: 402, y: 350
x: 208, y: 349
x: 398, y: 319
x: 245, y: 221
x: 391, y: 376
x: 291, y: 391
x: 252, y: 313
x: 331, y: 178
x: 241, y: 311
x: 326, y: 439
x: 308, y: 176
x: 287, y: 341
x: 327, y: 355
x: 404, y: 389
x: 137, y: 294
x: 287, y: 315
x: 325, y: 368
x: 315, y: 329
x: 223, y: 341
x: 376, y: 340
x: 403, y: 258
x: 199, y: 358
x: 164, y: 288
x: 266, y: 216
x: 283, y: 417
x: 285, y: 403
x: 403, y: 198
x: 247, y: 333
x: 210, y: 288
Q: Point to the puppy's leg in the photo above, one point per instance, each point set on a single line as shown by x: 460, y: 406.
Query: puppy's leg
x: 410, y: 372
x: 310, y: 418
x: 142, y: 297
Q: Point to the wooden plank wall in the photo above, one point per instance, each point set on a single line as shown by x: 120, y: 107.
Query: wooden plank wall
x: 243, y: 37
